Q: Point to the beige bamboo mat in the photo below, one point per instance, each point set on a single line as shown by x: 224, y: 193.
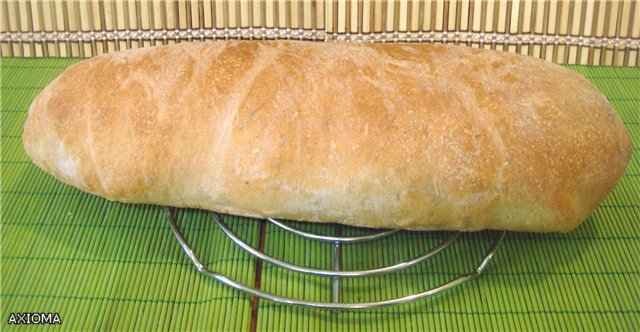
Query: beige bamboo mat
x: 572, y: 32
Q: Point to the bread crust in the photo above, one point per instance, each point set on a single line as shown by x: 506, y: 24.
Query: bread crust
x: 411, y: 136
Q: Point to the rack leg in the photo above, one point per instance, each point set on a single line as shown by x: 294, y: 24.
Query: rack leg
x: 337, y: 253
x: 335, y: 292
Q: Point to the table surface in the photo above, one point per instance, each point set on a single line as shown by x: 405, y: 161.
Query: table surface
x: 106, y: 265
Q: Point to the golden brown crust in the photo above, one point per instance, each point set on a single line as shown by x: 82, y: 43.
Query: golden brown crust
x: 380, y: 135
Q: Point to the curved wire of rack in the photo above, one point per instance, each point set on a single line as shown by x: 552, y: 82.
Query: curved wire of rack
x: 336, y: 274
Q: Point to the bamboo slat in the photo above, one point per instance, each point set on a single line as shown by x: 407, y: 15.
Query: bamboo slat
x: 593, y: 32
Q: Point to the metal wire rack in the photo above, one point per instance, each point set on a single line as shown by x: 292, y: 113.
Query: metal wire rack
x: 336, y: 274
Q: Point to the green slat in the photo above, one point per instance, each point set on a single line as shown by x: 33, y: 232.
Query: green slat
x: 105, y: 265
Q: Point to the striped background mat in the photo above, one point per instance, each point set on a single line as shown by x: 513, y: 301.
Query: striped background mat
x: 106, y: 265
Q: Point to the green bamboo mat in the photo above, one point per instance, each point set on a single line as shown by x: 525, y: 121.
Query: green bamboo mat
x: 105, y: 265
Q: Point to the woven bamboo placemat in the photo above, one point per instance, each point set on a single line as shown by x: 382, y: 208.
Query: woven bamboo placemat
x: 106, y: 265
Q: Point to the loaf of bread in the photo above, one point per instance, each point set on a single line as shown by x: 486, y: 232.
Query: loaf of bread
x: 411, y: 136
